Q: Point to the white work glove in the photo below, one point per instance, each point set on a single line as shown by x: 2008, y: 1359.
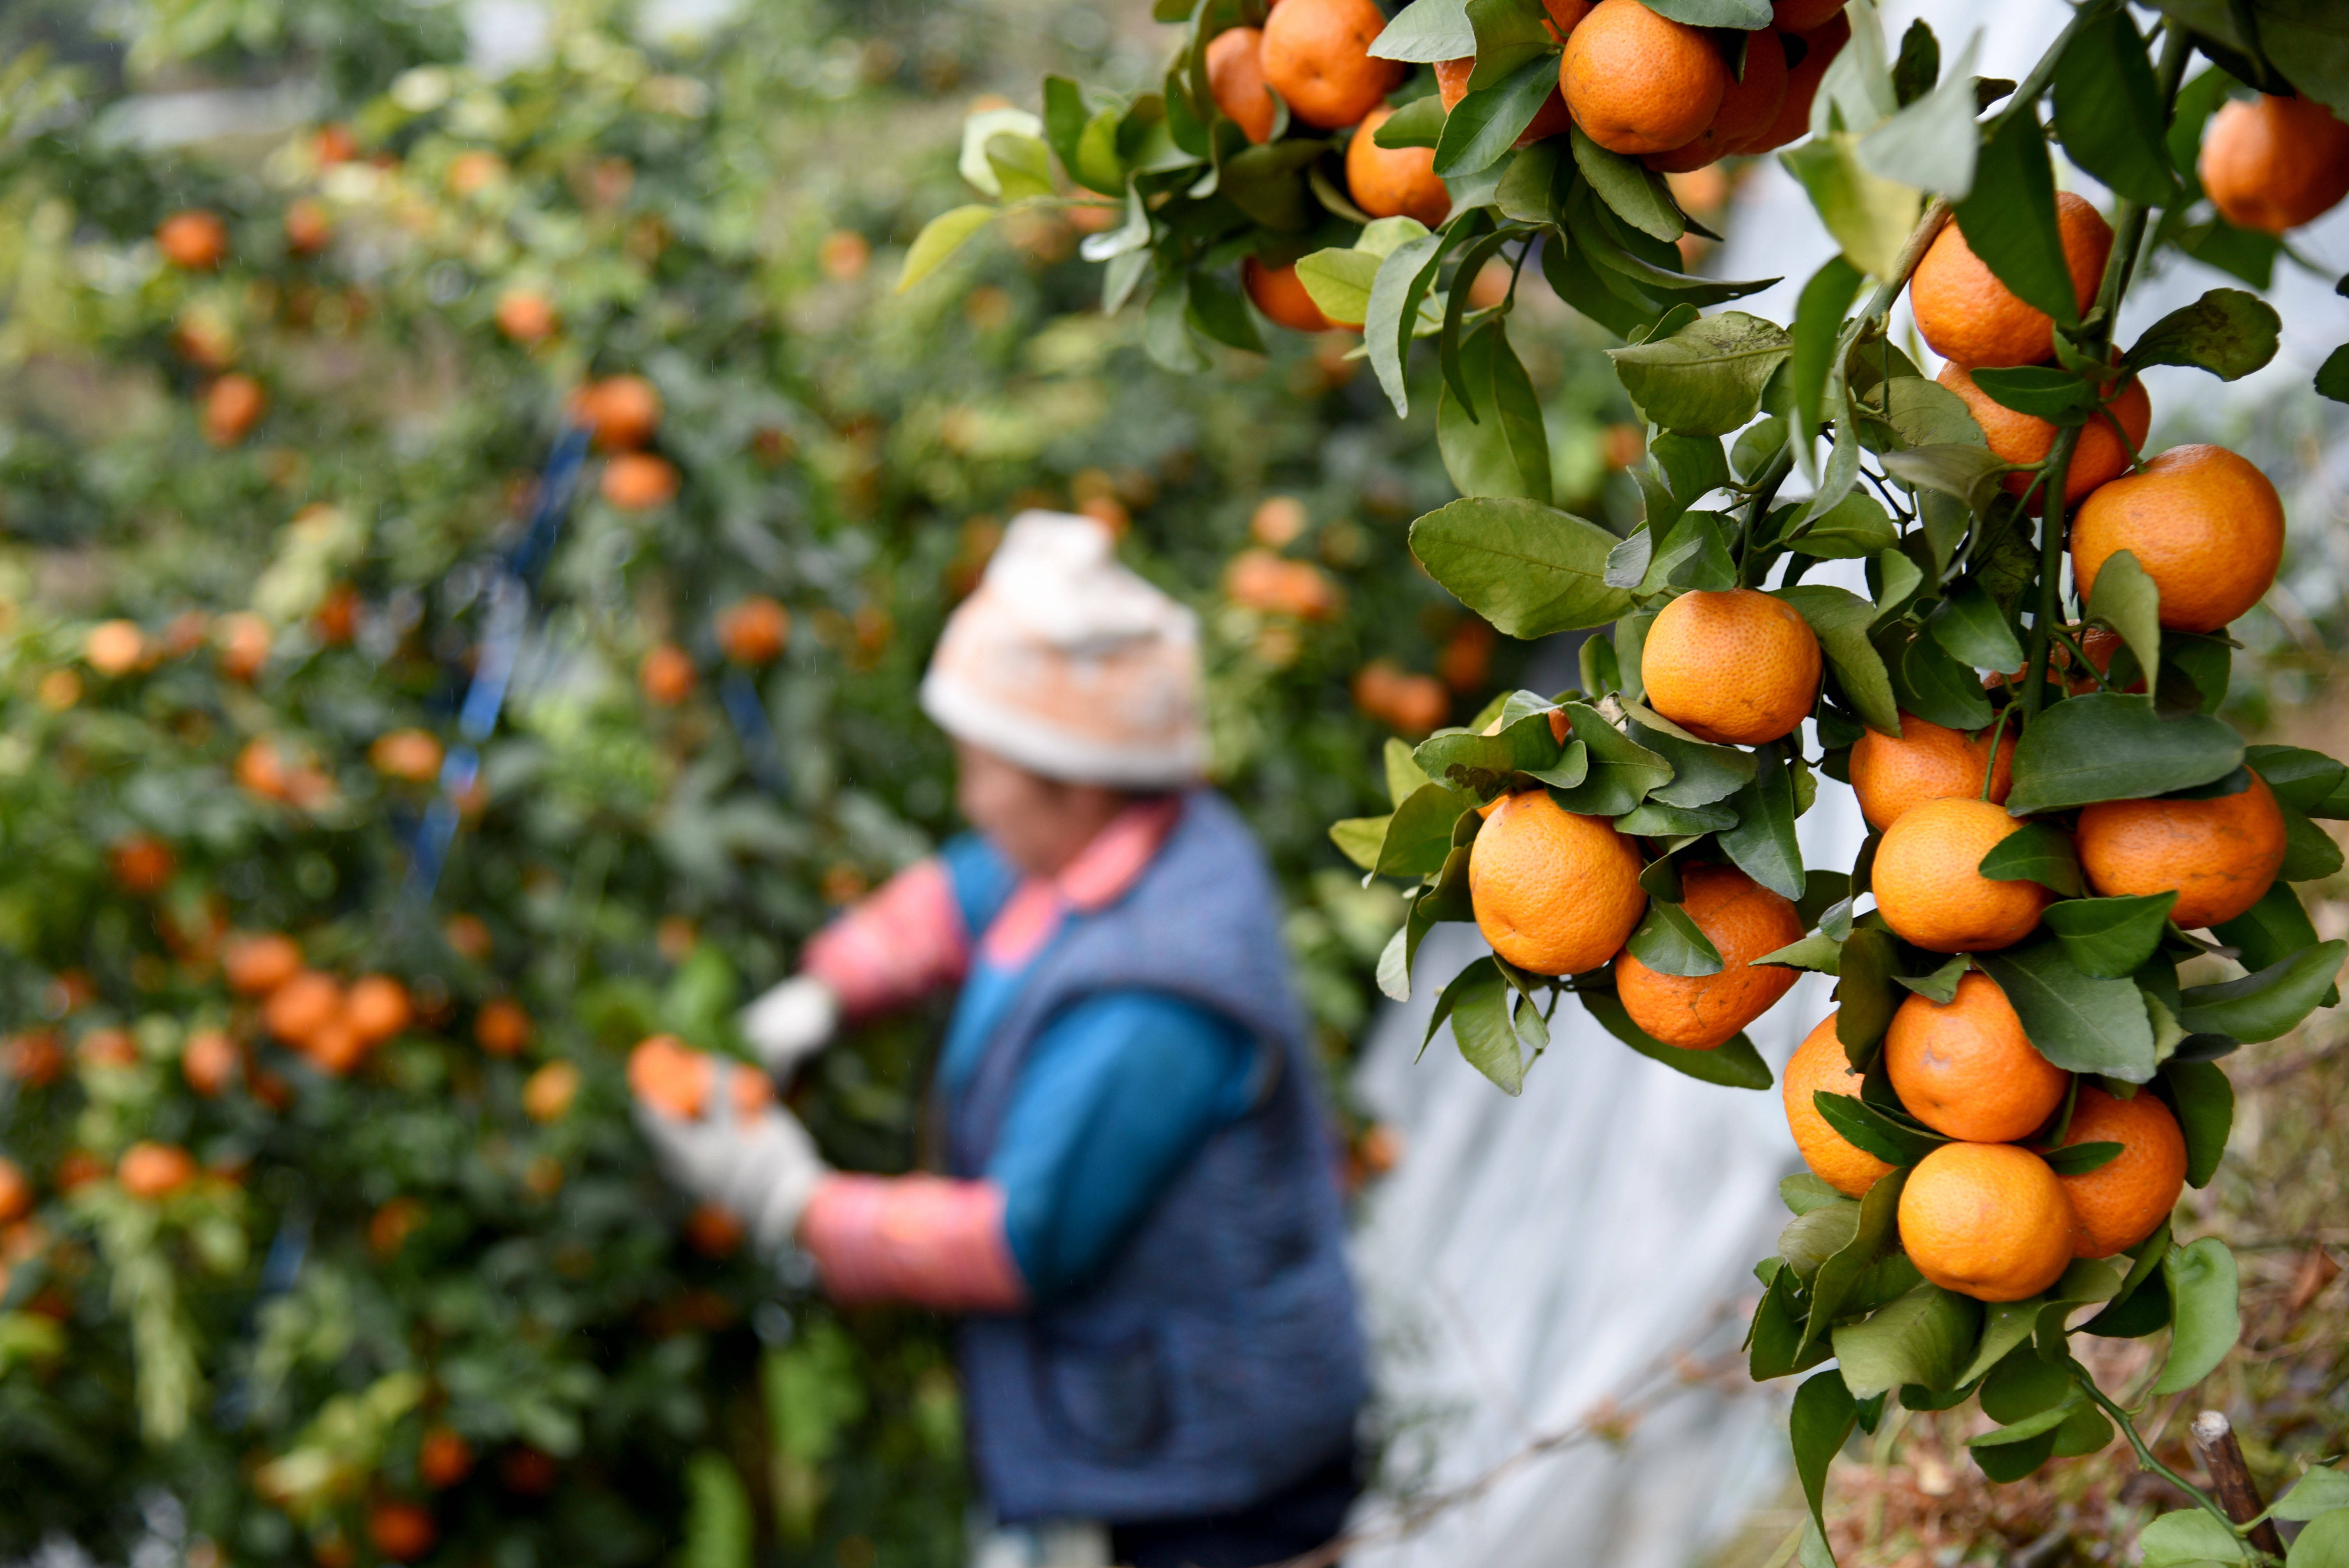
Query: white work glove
x: 791, y: 1023
x: 762, y: 1169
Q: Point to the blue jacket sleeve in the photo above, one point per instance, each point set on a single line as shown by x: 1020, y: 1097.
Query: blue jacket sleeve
x: 1117, y: 1096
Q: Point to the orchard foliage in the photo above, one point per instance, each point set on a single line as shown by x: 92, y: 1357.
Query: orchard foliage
x: 1959, y: 612
x: 318, y: 624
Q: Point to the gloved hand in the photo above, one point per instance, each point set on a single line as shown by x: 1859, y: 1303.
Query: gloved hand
x: 791, y: 1023
x: 763, y: 1168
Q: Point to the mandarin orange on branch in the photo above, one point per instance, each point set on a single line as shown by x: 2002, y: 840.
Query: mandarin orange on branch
x: 1808, y: 55
x: 2205, y: 524
x: 1966, y: 1069
x: 1394, y: 181
x: 1280, y: 295
x: 2107, y: 445
x: 1986, y: 1220
x: 1927, y: 762
x: 2220, y: 854
x: 193, y: 241
x: 1820, y: 1066
x: 2274, y: 163
x: 2125, y: 1200
x: 1743, y: 920
x: 1554, y: 891
x: 1737, y: 667
x: 1315, y: 54
x: 621, y: 412
x: 1636, y: 82
x: 1748, y: 109
x: 1967, y: 315
x: 1236, y: 81
x: 1929, y: 883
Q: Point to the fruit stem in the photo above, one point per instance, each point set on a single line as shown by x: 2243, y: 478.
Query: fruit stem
x: 2145, y: 1456
x: 2051, y: 567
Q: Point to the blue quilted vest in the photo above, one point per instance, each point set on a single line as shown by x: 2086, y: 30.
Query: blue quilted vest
x: 1217, y: 1359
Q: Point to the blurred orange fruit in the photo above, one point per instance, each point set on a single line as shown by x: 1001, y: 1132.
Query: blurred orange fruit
x: 244, y: 641
x: 1280, y: 295
x: 142, y: 865
x: 15, y: 1192
x: 149, y: 1170
x: 501, y: 1027
x: 525, y: 315
x: 1397, y: 182
x: 209, y: 1062
x: 194, y: 241
x: 639, y: 482
x: 547, y: 1094
x: 666, y: 675
x: 378, y: 1007
x: 255, y: 965
x: 621, y: 412
x: 673, y: 1078
x: 302, y: 1006
x: 1236, y: 81
x: 414, y: 755
x: 114, y: 648
x: 233, y: 405
x: 754, y: 631
x: 401, y: 1531
x: 2274, y: 163
x: 443, y: 1457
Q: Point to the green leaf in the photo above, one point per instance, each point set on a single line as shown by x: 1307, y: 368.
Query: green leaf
x: 2320, y: 1490
x: 1920, y: 1338
x: 1777, y: 1331
x: 2270, y: 931
x: 1865, y: 1128
x: 1931, y: 144
x: 1939, y: 987
x: 2108, y: 746
x: 1702, y: 772
x: 1402, y: 281
x: 1854, y: 527
x: 2226, y: 332
x: 1403, y: 775
x: 1340, y: 281
x: 1508, y: 34
x: 2271, y: 1003
x: 2205, y: 1102
x: 2080, y: 1021
x: 2300, y: 778
x: 2025, y: 1384
x: 1813, y: 1237
x: 1865, y: 997
x: 1818, y: 1425
x: 1763, y: 844
x: 1218, y: 311
x: 2206, y: 1322
x: 1528, y: 568
x: 2109, y: 113
x: 1692, y: 554
x: 1631, y: 190
x: 1529, y: 189
x: 1869, y: 215
x: 1166, y: 334
x: 1757, y: 444
x: 1483, y: 764
x: 940, y: 238
x: 1927, y: 414
x: 1671, y: 943
x: 1744, y: 15
x: 1875, y: 1235
x: 1817, y: 952
x: 2041, y: 391
x: 1802, y: 1192
x: 2190, y: 1537
x: 1969, y: 472
x: 1360, y: 838
x: 1477, y: 1002
x: 1499, y: 448
x: 1707, y: 378
x: 2009, y: 220
x: 2309, y: 852
x: 2126, y: 600
x: 1975, y: 631
x: 1736, y: 1065
x: 2323, y: 1544
x: 2332, y: 376
x: 1818, y: 323
x: 1693, y: 466
x: 1840, y: 619
x: 1418, y: 834
x: 2079, y: 1158
x: 1934, y: 686
x: 1620, y: 771
x: 2039, y: 853
x: 1419, y: 123
x: 2110, y: 938
x: 1426, y: 32
x: 718, y: 1523
x: 1487, y: 122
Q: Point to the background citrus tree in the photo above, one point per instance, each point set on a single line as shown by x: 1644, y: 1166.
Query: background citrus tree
x: 382, y: 758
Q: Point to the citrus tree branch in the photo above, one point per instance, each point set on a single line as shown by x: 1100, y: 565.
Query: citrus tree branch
x: 2144, y: 1455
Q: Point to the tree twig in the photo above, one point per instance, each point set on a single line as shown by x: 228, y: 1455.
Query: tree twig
x: 2231, y: 1477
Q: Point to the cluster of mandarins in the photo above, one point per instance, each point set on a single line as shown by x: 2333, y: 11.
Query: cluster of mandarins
x: 621, y: 413
x: 1637, y: 83
x: 751, y: 633
x: 196, y: 240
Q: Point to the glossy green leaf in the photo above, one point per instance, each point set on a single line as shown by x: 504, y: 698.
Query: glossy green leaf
x: 2205, y: 1320
x: 1817, y: 1234
x: 2189, y: 1538
x: 1763, y: 844
x: 1359, y: 839
x: 2226, y: 332
x: 1338, y: 280
x: 1820, y: 1424
x: 2108, y: 110
x: 2205, y: 1102
x: 2080, y: 1021
x: 1869, y: 215
x: 1968, y: 473
x: 1973, y: 629
x: 1418, y: 834
x: 1940, y: 985
x: 1509, y: 33
x: 2041, y: 391
x: 1419, y: 123
x: 2320, y: 1490
x: 1818, y: 323
x: 1670, y: 942
x: 2110, y: 938
x: 1868, y: 1128
x: 2300, y: 777
x: 2127, y: 598
x: 1920, y: 1338
x: 1932, y: 142
x: 2009, y: 220
x: 2112, y: 746
x: 1499, y: 448
x: 1854, y: 527
x: 2269, y: 1003
x: 1702, y: 772
x: 2323, y: 1544
x: 1392, y: 319
x: 1631, y: 190
x: 2038, y: 852
x: 1928, y: 682
x: 1866, y: 996
x: 940, y: 238
x: 2270, y: 931
x: 1802, y: 1192
x: 1836, y: 1286
x: 1487, y: 122
x: 1529, y: 569
x: 1744, y: 15
x: 1707, y: 378
x: 1620, y: 771
x: 1840, y: 620
x: 1426, y: 32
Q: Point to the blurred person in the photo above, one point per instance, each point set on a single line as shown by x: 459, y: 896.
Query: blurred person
x: 1138, y: 1217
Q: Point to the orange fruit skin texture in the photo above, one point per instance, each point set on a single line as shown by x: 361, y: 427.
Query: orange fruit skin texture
x: 1554, y: 893
x: 1394, y: 181
x: 1819, y: 1063
x: 1638, y: 83
x: 1736, y: 667
x: 1926, y: 762
x: 2125, y: 1200
x: 1280, y: 295
x: 1317, y: 57
x: 2099, y: 457
x: 1966, y: 1069
x: 2220, y: 854
x: 1748, y: 109
x: 2274, y: 163
x: 1986, y: 1220
x: 1819, y: 47
x: 1968, y: 316
x: 2205, y: 526
x: 1698, y: 1013
x: 1236, y: 81
x: 1930, y: 891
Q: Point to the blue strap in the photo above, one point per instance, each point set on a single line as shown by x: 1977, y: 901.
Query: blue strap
x: 760, y: 750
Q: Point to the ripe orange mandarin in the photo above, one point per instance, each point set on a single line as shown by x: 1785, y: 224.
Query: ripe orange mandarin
x: 666, y: 675
x: 1966, y: 1068
x: 302, y: 1006
x: 1967, y: 316
x: 256, y: 965
x: 501, y: 1027
x: 1986, y: 1220
x: 1926, y: 762
x: 2221, y: 854
x: 378, y: 1008
x: 2205, y: 526
x: 1930, y: 889
x: 2274, y: 163
x: 209, y: 1062
x: 754, y: 631
x: 2100, y: 456
x: 1317, y: 57
x: 150, y: 1170
x: 1738, y: 667
x: 1394, y: 181
x: 1554, y: 891
x: 639, y: 482
x: 1636, y: 82
x: 194, y: 241
x: 1819, y: 1066
x: 233, y: 406
x: 1236, y: 81
x: 2125, y: 1200
x: 1747, y: 109
x: 621, y: 412
x: 1808, y: 54
x: 15, y: 1192
x: 1743, y: 920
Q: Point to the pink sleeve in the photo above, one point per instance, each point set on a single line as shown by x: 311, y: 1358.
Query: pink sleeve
x: 919, y: 1239
x: 896, y: 946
